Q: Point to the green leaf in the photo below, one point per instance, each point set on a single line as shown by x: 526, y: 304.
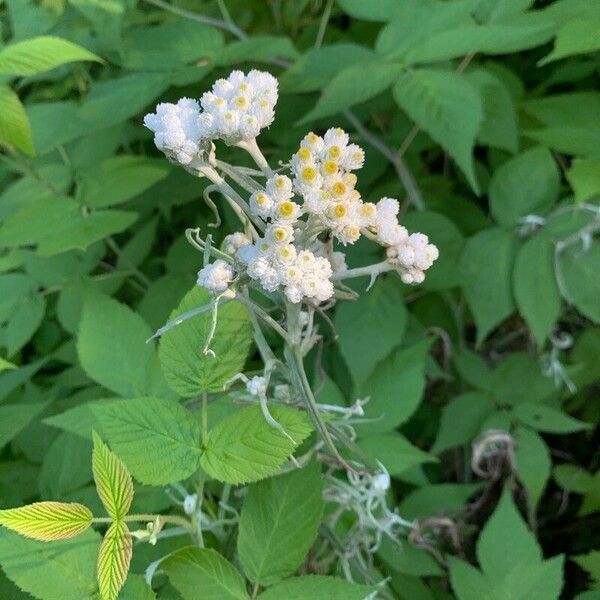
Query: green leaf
x: 395, y: 389
x: 203, y: 573
x: 58, y: 224
x: 486, y: 266
x: 468, y: 583
x: 461, y: 420
x: 382, y: 10
x: 279, y: 523
x: 57, y: 571
x: 6, y: 365
x: 353, y: 85
x: 158, y: 439
x: 113, y: 351
x: 318, y: 66
x: 498, y: 38
x: 120, y: 178
x: 577, y: 480
x: 394, y: 451
x: 547, y: 419
x: 48, y: 521
x: 584, y: 178
x: 113, y: 482
x: 437, y: 499
x: 499, y: 127
x: 15, y: 417
x: 136, y: 588
x: 113, y: 560
x: 243, y: 448
x: 578, y: 268
x: 526, y: 184
x: 317, y: 587
x: 505, y: 541
x: 14, y: 124
x: 187, y: 369
x: 591, y: 563
x: 448, y: 108
x: 578, y: 36
x: 533, y: 463
x: 257, y: 48
x: 40, y: 54
x: 377, y: 319
x: 472, y: 368
x: 535, y: 288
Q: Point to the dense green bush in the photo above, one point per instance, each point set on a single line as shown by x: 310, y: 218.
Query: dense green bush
x: 479, y: 387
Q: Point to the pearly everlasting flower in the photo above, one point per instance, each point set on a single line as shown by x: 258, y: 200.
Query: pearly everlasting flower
x: 234, y: 241
x: 177, y: 129
x: 261, y: 204
x: 216, y: 277
x: 279, y: 187
x: 257, y: 386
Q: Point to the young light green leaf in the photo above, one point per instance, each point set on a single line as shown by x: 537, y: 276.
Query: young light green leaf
x: 188, y: 370
x: 48, y: 521
x: 158, y: 440
x: 113, y: 560
x: 486, y: 266
x: 317, y: 587
x: 203, y: 573
x: 113, y: 350
x: 279, y: 522
x: 535, y: 288
x: 243, y: 447
x: 40, y: 54
x: 377, y: 319
x: 533, y: 463
x: 14, y: 124
x: 113, y: 482
x: 526, y: 184
x: 56, y: 571
x: 395, y: 389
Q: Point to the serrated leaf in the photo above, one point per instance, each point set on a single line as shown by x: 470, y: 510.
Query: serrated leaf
x: 535, y: 288
x: 58, y: 571
x: 203, y: 573
x: 486, y: 265
x: 158, y: 440
x: 40, y: 54
x: 395, y: 389
x: 113, y: 350
x: 505, y: 541
x: 279, y: 522
x: 113, y: 560
x: 48, y: 521
x: 468, y: 583
x: 526, y: 184
x: 376, y: 319
x: 448, y: 108
x: 187, y: 369
x: 14, y: 124
x: 243, y: 448
x: 353, y: 85
x: 317, y: 587
x: 113, y: 482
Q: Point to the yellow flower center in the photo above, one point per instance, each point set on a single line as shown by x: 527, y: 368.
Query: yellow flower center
x: 339, y: 211
x: 338, y: 188
x: 330, y: 167
x: 261, y: 199
x: 334, y: 152
x: 279, y: 234
x: 280, y: 182
x: 304, y: 153
x: 309, y: 174
x: 241, y: 101
x: 286, y: 208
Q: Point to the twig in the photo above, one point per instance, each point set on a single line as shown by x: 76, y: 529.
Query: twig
x: 323, y: 24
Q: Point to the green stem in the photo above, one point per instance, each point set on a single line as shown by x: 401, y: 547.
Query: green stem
x: 173, y: 519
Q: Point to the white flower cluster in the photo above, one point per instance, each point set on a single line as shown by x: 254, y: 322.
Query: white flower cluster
x: 216, y: 277
x: 322, y: 177
x: 236, y: 109
x: 411, y: 254
x: 177, y: 129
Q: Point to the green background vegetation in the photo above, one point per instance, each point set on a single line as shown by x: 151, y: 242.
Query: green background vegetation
x: 481, y: 116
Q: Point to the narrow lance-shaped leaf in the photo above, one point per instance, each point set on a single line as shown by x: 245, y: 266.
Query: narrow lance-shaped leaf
x: 48, y: 521
x: 113, y: 481
x: 113, y: 560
